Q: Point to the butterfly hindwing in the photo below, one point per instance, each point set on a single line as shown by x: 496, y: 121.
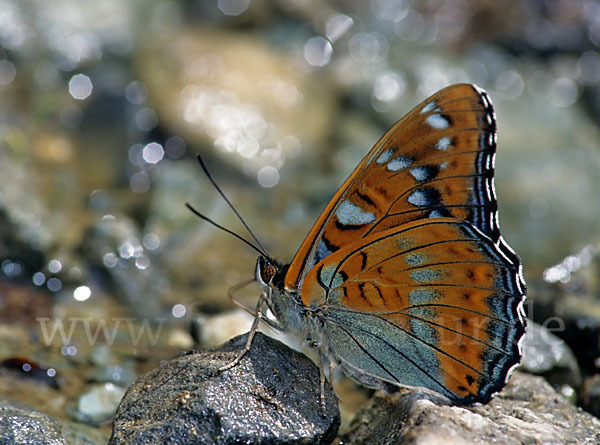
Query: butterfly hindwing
x: 436, y: 161
x: 433, y: 303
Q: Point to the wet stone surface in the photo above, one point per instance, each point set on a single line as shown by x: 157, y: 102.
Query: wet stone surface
x: 527, y: 411
x: 20, y: 424
x: 271, y: 396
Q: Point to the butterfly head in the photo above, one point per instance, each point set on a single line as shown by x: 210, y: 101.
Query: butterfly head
x: 266, y: 270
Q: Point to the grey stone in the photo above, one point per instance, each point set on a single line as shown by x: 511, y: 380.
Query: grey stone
x: 547, y: 355
x: 99, y: 403
x: 20, y: 424
x: 527, y: 411
x: 271, y: 396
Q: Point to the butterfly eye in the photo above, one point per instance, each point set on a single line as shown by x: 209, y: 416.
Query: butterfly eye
x: 267, y: 273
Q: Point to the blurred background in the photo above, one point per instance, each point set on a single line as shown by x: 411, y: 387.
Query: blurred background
x: 103, y: 106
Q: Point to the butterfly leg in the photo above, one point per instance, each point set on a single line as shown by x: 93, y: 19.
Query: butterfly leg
x: 233, y: 289
x: 272, y: 323
x: 257, y: 317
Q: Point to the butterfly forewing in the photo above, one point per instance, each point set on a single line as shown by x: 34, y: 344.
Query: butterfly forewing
x: 432, y: 304
x: 436, y: 161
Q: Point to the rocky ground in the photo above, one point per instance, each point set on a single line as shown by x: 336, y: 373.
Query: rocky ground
x: 105, y: 275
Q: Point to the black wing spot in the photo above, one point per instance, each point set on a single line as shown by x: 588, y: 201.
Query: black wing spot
x: 361, y: 288
x: 329, y: 245
x: 344, y: 227
x: 365, y: 198
x: 452, y: 251
x: 380, y: 294
x: 363, y: 263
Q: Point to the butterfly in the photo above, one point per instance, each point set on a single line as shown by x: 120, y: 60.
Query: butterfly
x: 404, y: 280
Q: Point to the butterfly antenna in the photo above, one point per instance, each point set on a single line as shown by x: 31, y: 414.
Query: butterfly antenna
x: 260, y: 247
x: 207, y: 219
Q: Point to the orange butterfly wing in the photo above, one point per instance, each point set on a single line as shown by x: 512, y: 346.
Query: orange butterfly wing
x: 436, y: 161
x: 430, y: 304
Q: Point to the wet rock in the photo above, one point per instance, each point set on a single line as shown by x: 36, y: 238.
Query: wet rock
x: 547, y: 355
x: 20, y: 424
x: 527, y: 411
x: 271, y: 396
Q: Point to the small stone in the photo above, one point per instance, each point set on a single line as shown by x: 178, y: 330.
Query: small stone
x: 271, y: 396
x: 99, y: 404
x: 178, y: 338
